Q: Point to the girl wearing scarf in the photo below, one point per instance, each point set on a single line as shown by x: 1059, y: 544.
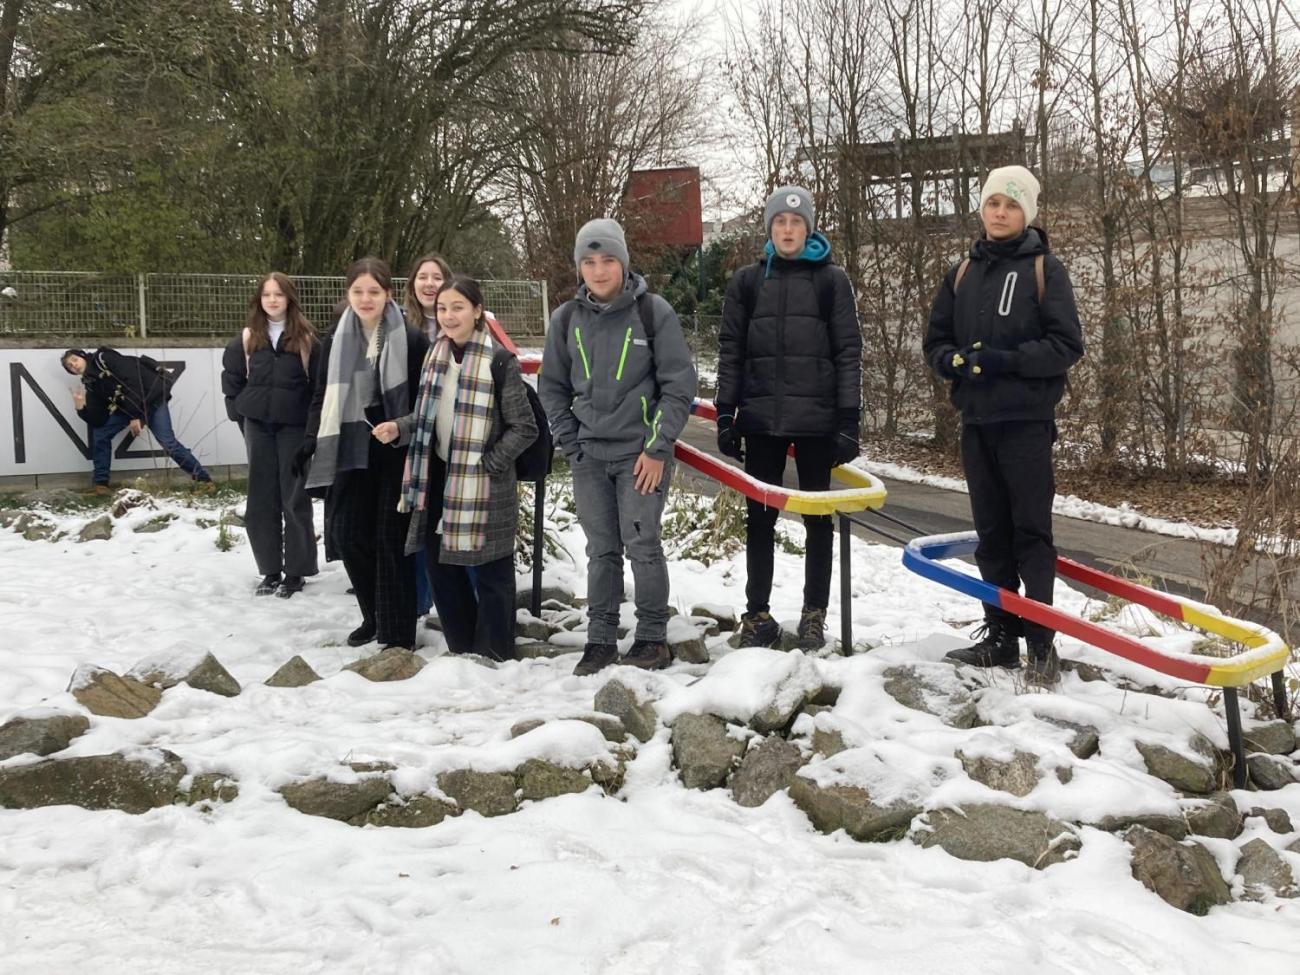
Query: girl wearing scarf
x: 471, y: 421
x: 372, y: 371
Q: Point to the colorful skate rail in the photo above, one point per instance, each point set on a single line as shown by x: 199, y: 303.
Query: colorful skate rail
x: 864, y: 490
x: 1265, y: 654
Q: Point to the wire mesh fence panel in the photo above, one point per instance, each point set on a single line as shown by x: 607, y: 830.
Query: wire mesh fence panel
x: 69, y: 303
x: 518, y: 306
x: 196, y: 304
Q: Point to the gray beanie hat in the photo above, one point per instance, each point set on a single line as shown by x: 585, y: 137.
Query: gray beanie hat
x: 789, y: 199
x: 600, y: 236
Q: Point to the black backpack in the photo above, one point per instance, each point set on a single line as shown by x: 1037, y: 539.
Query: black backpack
x: 534, y: 463
x: 823, y: 282
x: 643, y: 309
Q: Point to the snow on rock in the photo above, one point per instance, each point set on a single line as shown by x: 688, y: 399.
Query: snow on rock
x: 754, y: 685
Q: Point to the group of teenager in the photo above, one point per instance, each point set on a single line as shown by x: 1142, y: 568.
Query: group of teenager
x: 409, y: 422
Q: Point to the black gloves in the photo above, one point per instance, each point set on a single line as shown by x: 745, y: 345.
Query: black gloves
x: 728, y: 438
x: 847, y: 446
x: 302, y: 459
x: 989, y: 362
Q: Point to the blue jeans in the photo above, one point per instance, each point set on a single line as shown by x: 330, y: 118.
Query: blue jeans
x: 159, y: 423
x: 618, y: 519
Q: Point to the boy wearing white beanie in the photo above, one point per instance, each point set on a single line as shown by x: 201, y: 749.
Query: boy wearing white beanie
x: 1004, y: 331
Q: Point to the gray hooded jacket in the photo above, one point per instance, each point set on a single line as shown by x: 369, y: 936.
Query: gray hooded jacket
x: 608, y: 389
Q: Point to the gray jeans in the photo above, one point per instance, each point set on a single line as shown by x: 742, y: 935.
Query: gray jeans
x: 615, y: 519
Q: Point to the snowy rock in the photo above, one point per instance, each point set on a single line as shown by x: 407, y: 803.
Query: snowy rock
x: 986, y: 831
x: 608, y: 725
x: 392, y: 663
x: 33, y: 527
x: 1264, y: 872
x: 534, y: 649
x: 609, y: 775
x: 1271, y: 737
x: 128, y: 499
x: 531, y: 628
x: 94, y: 782
x: 1270, y: 772
x: 103, y: 692
x: 724, y: 616
x: 924, y: 692
x: 10, y: 516
x: 1174, y: 827
x: 550, y: 594
x: 1199, y: 775
x: 1184, y: 875
x: 210, y: 788
x: 1018, y: 775
x: 1086, y: 740
x: 638, y: 717
x: 186, y: 665
x: 487, y: 793
x: 767, y: 768
x: 688, y: 647
x: 758, y: 686
x: 525, y: 726
x: 704, y: 753
x: 43, y: 735
x: 1278, y: 820
x: 99, y: 530
x: 294, y: 672
x: 538, y: 779
x: 155, y: 524
x: 416, y: 812
x: 233, y: 518
x: 851, y: 808
x: 1217, y: 817
x: 344, y: 801
x: 828, y: 741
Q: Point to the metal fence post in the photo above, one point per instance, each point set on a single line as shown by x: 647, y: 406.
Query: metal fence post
x: 846, y: 588
x: 1232, y: 712
x: 546, y: 305
x: 144, y: 317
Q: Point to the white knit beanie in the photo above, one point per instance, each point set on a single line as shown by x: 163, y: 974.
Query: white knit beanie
x: 1017, y: 183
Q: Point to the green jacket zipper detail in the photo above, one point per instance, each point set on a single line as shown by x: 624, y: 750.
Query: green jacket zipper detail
x: 586, y: 366
x: 627, y: 340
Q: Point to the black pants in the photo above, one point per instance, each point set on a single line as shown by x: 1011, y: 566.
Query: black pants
x: 278, y: 515
x: 369, y: 535
x: 475, y: 603
x: 1009, y: 473
x: 814, y: 457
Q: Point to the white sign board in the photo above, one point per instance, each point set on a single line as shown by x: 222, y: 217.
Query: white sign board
x: 40, y: 432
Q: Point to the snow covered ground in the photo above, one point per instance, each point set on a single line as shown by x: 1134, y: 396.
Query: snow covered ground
x: 659, y: 879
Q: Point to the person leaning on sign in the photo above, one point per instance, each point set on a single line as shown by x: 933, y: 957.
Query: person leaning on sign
x: 120, y: 392
x: 1004, y: 331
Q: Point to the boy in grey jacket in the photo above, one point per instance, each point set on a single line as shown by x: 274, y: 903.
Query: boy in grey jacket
x: 617, y: 383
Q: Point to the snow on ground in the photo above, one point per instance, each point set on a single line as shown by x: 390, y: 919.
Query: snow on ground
x: 661, y: 879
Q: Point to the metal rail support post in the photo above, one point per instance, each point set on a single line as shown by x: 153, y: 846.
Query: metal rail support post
x: 539, y: 506
x: 846, y: 587
x: 1233, y: 713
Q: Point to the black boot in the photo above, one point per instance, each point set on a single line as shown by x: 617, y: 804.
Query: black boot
x: 649, y: 655
x: 363, y: 634
x: 997, y: 647
x: 595, y: 657
x: 268, y: 585
x: 812, y: 628
x: 758, y: 630
x: 1044, y: 665
x: 289, y: 586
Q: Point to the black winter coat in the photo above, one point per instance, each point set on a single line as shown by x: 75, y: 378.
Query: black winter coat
x: 790, y: 371
x: 271, y: 386
x: 998, y: 306
x: 126, y: 384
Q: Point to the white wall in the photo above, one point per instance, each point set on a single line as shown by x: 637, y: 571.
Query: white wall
x: 32, y: 441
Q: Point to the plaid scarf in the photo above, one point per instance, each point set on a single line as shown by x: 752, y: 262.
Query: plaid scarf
x: 466, y: 493
x: 343, y: 440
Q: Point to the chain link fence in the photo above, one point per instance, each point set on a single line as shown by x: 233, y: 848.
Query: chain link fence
x: 161, y: 306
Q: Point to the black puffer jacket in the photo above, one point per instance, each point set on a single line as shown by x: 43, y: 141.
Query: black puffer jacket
x: 271, y: 386
x: 128, y: 384
x: 790, y: 370
x: 998, y: 306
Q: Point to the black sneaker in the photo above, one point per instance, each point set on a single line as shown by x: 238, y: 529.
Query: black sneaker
x: 997, y: 647
x: 289, y: 586
x: 758, y: 630
x: 363, y: 634
x: 1044, y: 665
x: 812, y: 629
x: 268, y: 585
x: 595, y: 657
x: 649, y: 655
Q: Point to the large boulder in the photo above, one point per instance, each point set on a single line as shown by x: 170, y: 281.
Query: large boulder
x: 344, y: 801
x: 487, y: 793
x: 294, y: 672
x: 102, y: 692
x: 1017, y: 775
x: 1199, y: 774
x: 1270, y: 737
x: 1217, y: 817
x: 1184, y: 875
x: 987, y: 831
x: 42, y: 734
x: 538, y: 779
x: 392, y: 663
x: 703, y: 751
x: 768, y: 767
x: 132, y: 785
x: 852, y: 809
x: 1270, y: 772
x: 185, y: 664
x: 638, y: 716
x: 1264, y: 871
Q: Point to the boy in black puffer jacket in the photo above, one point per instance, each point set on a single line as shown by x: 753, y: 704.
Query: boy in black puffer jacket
x: 1004, y: 331
x: 789, y: 372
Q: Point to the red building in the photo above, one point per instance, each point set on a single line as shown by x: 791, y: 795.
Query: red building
x: 662, y: 209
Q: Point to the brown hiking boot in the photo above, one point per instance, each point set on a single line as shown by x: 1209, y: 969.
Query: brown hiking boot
x: 649, y: 655
x: 758, y: 630
x: 812, y: 629
x: 98, y: 491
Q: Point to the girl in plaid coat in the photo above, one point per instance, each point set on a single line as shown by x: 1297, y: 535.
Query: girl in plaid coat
x: 471, y: 421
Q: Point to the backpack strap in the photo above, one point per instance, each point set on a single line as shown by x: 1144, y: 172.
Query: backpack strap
x: 1040, y: 276
x: 645, y: 308
x: 961, y: 273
